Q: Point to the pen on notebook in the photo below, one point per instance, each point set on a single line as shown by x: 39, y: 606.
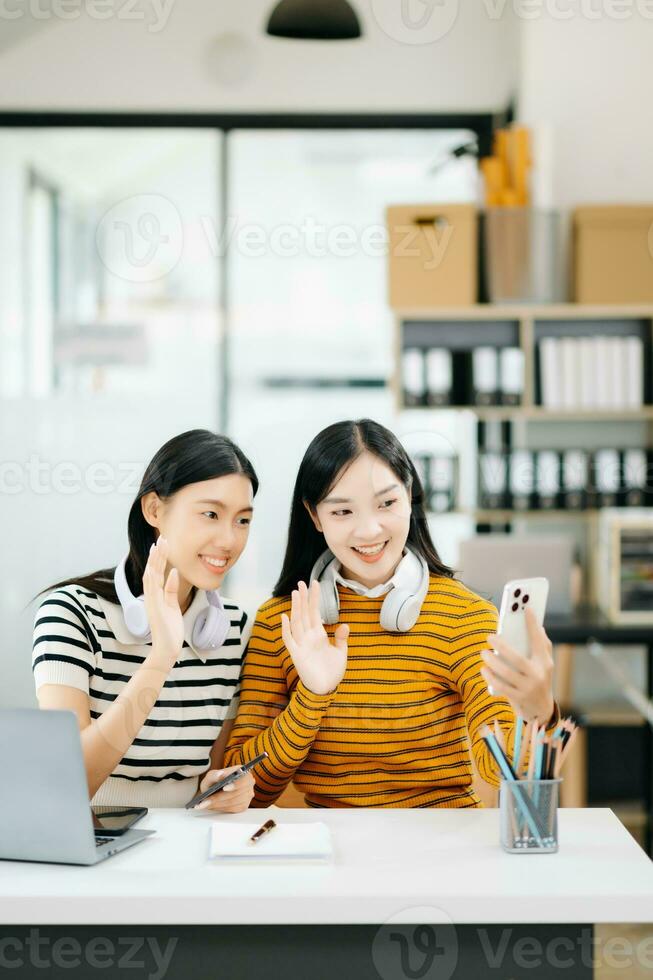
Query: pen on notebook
x: 262, y: 831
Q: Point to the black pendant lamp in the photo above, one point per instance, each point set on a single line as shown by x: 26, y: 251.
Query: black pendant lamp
x: 314, y: 20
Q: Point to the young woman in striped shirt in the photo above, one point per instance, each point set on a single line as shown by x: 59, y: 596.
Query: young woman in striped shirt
x: 367, y: 687
x: 148, y: 654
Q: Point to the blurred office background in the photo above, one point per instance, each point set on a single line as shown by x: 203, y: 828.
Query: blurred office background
x: 192, y: 233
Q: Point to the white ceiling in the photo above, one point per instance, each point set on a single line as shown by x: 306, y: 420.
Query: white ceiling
x: 178, y: 61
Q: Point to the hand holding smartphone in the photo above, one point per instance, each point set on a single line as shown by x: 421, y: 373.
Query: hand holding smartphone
x: 518, y: 595
x: 232, y: 777
x: 507, y: 670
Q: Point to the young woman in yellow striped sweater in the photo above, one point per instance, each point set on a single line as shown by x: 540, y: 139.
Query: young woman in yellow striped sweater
x: 367, y: 686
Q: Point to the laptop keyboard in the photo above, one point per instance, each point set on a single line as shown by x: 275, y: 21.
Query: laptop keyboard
x: 102, y: 840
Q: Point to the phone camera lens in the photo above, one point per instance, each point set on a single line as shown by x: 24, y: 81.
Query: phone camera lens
x: 517, y: 593
x: 515, y: 606
x: 525, y: 599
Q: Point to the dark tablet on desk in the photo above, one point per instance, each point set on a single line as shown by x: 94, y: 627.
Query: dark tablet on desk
x: 115, y: 820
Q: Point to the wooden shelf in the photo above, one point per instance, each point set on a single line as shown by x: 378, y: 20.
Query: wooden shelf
x: 520, y: 311
x: 505, y: 516
x: 532, y: 413
x: 517, y: 325
x: 611, y: 713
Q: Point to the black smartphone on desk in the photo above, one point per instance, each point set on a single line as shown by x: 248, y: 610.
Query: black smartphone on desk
x: 113, y: 821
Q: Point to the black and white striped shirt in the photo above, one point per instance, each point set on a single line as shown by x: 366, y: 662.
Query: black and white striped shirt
x: 81, y: 640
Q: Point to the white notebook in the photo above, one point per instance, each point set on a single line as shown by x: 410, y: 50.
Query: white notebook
x: 286, y: 842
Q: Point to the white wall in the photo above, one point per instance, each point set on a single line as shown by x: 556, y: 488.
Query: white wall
x: 163, y: 60
x: 591, y: 79
x: 13, y: 178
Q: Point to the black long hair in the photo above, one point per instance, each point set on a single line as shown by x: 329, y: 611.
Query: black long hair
x: 190, y: 457
x: 329, y: 453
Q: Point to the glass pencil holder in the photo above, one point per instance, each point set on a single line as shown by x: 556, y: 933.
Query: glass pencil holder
x: 528, y: 811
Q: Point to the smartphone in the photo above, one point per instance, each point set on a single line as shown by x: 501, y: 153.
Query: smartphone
x: 115, y: 820
x: 231, y: 778
x: 517, y: 596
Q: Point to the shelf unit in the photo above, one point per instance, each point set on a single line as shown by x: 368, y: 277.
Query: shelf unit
x: 520, y: 325
x: 518, y: 322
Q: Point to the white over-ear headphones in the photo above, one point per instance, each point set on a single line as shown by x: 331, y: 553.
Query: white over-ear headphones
x: 209, y: 629
x: 401, y: 606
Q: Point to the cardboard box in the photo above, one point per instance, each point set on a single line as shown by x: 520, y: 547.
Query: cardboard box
x: 613, y: 254
x: 433, y: 255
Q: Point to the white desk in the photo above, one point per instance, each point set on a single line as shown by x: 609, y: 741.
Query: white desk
x: 416, y: 866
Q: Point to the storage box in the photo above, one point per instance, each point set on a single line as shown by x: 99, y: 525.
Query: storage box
x: 433, y: 255
x: 522, y: 256
x: 613, y: 254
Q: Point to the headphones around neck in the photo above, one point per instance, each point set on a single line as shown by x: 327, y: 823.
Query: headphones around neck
x: 209, y: 629
x: 401, y: 606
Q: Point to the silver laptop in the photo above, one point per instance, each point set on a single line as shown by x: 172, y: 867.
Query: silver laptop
x: 488, y: 561
x: 45, y: 813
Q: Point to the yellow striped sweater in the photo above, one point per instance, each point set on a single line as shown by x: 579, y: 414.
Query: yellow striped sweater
x: 395, y: 732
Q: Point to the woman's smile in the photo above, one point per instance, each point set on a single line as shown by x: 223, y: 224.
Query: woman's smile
x: 370, y: 553
x: 214, y: 564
